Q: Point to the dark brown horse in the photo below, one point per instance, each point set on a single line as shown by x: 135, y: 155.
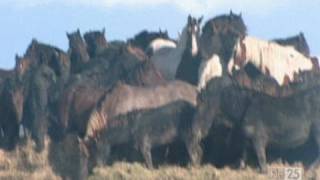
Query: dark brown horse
x: 40, y: 53
x: 145, y: 116
x: 38, y: 96
x: 69, y: 158
x: 191, y: 59
x: 78, y: 51
x: 96, y: 42
x: 126, y: 64
x: 4, y: 74
x: 282, y: 123
x: 11, y: 109
x: 266, y: 84
x: 219, y: 36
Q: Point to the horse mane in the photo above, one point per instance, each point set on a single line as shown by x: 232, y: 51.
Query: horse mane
x: 221, y: 23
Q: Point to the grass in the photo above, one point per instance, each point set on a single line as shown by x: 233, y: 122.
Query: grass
x: 24, y: 163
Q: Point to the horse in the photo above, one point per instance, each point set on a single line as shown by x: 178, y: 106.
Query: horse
x: 38, y: 94
x: 144, y: 38
x: 280, y: 62
x: 189, y: 65
x: 11, y: 109
x: 130, y: 65
x: 96, y: 42
x: 167, y: 60
x: 78, y: 51
x: 4, y: 74
x: 39, y: 53
x: 282, y: 123
x: 219, y: 35
x: 158, y: 44
x: 146, y: 116
x: 250, y: 77
x: 298, y: 41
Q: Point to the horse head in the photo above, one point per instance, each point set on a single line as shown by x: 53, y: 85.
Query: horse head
x: 76, y: 41
x: 96, y: 42
x: 239, y: 59
x: 193, y: 31
x: 220, y: 34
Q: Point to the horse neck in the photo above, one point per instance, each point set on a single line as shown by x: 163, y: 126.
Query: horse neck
x: 252, y: 53
x: 182, y: 43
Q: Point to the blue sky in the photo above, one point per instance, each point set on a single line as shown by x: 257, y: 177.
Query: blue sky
x: 49, y: 20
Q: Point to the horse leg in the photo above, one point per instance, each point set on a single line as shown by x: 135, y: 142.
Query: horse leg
x: 103, y: 152
x: 316, y: 163
x: 145, y: 148
x: 194, y: 151
x: 243, y: 158
x: 259, y: 146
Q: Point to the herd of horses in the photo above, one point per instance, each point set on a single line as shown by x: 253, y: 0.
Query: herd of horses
x: 215, y: 95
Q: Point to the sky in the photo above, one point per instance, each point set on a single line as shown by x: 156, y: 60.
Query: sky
x: 49, y: 20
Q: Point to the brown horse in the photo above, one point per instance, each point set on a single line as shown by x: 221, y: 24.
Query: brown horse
x: 96, y: 42
x: 127, y: 64
x: 268, y: 85
x: 40, y: 53
x: 282, y: 123
x: 148, y: 116
x: 11, y: 109
x: 78, y: 51
x: 38, y: 92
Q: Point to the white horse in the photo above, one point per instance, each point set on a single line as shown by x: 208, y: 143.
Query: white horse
x: 168, y: 59
x: 209, y: 69
x: 160, y: 43
x: 280, y: 62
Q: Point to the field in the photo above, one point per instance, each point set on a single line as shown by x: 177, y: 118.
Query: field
x: 24, y: 163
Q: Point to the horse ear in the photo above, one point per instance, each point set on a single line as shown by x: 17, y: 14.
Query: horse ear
x: 301, y: 36
x: 68, y: 35
x: 231, y: 13
x: 189, y: 19
x: 34, y: 41
x: 17, y: 57
x: 240, y: 15
x: 200, y: 20
x: 78, y: 31
x: 104, y: 31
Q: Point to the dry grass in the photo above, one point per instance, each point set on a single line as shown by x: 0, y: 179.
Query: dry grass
x: 24, y: 163
x: 136, y: 171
